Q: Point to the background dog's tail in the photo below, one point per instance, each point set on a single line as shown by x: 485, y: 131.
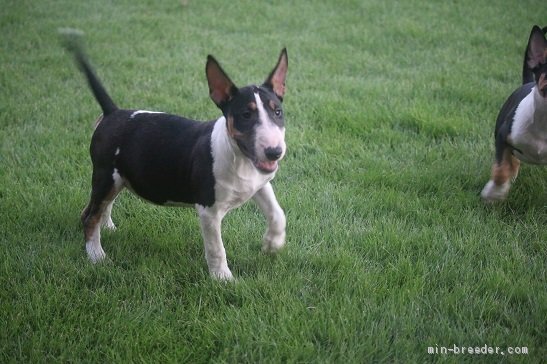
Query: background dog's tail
x: 527, y: 74
x: 72, y: 41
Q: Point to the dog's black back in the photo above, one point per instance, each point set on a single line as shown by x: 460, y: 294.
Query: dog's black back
x: 141, y: 145
x: 150, y: 167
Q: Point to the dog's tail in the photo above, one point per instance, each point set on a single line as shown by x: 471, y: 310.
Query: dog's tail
x: 527, y: 73
x: 72, y: 41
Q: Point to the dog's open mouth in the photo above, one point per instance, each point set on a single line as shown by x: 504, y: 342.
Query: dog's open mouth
x: 266, y: 166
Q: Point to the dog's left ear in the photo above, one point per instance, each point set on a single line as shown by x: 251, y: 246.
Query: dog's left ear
x: 221, y: 88
x: 276, y: 79
x: 537, y: 48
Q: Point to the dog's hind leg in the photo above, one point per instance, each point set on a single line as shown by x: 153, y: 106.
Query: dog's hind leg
x: 274, y: 238
x: 106, y: 219
x: 106, y: 185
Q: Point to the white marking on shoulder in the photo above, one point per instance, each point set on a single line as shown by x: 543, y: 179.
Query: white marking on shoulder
x: 117, y: 151
x: 144, y: 112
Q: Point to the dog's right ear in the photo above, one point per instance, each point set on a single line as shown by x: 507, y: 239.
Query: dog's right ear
x: 221, y: 88
x: 536, y: 53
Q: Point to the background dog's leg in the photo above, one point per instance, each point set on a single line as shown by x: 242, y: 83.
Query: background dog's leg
x: 274, y: 238
x: 215, y: 254
x: 504, y: 169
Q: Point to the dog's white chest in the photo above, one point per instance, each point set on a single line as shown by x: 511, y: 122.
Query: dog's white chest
x: 529, y: 131
x: 236, y: 179
x: 232, y: 191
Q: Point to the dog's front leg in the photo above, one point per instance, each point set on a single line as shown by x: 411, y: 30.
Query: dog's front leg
x: 274, y: 238
x: 210, y: 220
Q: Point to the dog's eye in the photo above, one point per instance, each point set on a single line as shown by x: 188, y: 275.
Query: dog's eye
x: 278, y: 112
x: 246, y: 114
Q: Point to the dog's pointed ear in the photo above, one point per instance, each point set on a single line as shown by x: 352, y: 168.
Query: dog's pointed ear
x: 221, y: 88
x: 536, y: 52
x: 276, y: 79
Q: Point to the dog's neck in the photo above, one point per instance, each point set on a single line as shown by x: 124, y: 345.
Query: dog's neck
x: 226, y: 153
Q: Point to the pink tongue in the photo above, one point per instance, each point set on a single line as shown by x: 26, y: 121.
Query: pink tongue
x: 269, y: 166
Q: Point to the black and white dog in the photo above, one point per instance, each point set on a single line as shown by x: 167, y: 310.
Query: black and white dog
x: 521, y: 126
x: 174, y: 161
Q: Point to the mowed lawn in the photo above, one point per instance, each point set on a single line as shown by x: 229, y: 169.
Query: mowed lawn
x: 390, y: 109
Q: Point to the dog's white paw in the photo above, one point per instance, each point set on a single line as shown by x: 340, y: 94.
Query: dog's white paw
x: 492, y: 192
x: 221, y: 274
x: 272, y: 243
x: 95, y: 252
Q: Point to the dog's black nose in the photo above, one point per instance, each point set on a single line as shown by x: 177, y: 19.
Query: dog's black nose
x: 273, y: 154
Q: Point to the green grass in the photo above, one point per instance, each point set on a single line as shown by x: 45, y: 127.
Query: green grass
x: 389, y: 110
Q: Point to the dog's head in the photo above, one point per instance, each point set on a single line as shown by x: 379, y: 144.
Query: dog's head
x: 536, y: 59
x: 254, y: 114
